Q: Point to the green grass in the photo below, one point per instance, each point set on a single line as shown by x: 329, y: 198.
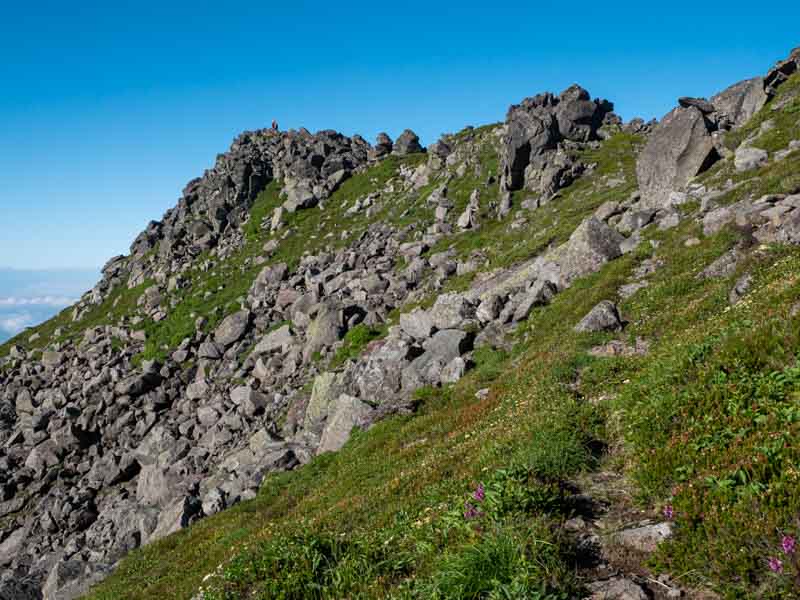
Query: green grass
x: 705, y: 422
x: 551, y: 224
x: 355, y: 342
x: 776, y: 177
x: 310, y: 231
x: 120, y: 304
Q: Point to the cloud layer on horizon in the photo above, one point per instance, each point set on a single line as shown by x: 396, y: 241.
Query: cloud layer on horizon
x: 53, y: 301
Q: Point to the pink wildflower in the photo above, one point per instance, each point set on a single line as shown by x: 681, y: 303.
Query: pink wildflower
x: 788, y: 544
x: 775, y: 565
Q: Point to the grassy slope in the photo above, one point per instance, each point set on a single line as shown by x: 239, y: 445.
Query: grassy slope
x: 216, y: 287
x: 704, y: 422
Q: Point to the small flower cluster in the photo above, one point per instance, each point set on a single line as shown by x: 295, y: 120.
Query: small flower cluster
x: 471, y: 511
x: 788, y: 547
x: 669, y: 512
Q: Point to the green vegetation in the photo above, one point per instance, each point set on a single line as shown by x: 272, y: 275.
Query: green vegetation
x: 216, y: 288
x: 467, y: 498
x: 355, y: 342
x: 118, y: 306
x: 551, y: 224
x: 776, y: 177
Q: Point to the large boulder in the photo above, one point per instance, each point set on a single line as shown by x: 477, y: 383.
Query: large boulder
x: 232, y: 328
x: 679, y: 148
x: 782, y: 71
x: 589, y: 247
x: 451, y: 311
x: 741, y: 101
x: 324, y: 392
x: 349, y: 412
x: 535, y: 127
x: 539, y: 294
x: 407, y: 143
x: 748, y: 158
x: 326, y: 329
x: 280, y: 339
x: 72, y: 578
x: 383, y: 146
x: 578, y: 116
x: 418, y: 324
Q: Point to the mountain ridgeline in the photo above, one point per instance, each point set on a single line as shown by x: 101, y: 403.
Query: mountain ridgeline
x: 553, y: 357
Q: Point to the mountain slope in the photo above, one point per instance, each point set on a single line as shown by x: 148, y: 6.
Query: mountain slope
x: 416, y: 313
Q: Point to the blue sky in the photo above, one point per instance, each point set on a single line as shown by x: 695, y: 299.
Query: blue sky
x: 30, y: 297
x: 108, y: 109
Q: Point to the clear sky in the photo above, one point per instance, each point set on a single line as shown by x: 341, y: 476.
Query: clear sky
x: 108, y: 108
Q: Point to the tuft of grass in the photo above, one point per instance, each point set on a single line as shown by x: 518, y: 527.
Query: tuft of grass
x: 355, y: 342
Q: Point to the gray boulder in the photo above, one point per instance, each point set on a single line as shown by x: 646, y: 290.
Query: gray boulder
x: 537, y: 125
x: 616, y: 588
x: 281, y: 339
x: 324, y: 392
x: 748, y: 158
x: 451, y: 311
x: 349, y: 412
x: 740, y: 288
x: 232, y: 328
x: 591, y: 245
x: 603, y: 317
x: 383, y: 145
x: 407, y: 143
x: 680, y: 148
x: 539, y: 294
x: 418, y: 324
x: 701, y: 104
x: 447, y: 344
x: 326, y: 329
x: 644, y: 539
x: 741, y: 101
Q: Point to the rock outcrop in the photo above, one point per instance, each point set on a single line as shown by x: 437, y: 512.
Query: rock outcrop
x: 102, y: 451
x: 538, y: 132
x: 688, y: 140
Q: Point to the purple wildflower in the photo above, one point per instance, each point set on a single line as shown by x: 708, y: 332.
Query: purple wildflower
x: 669, y: 512
x: 471, y: 512
x: 775, y: 565
x: 788, y: 544
x: 479, y: 494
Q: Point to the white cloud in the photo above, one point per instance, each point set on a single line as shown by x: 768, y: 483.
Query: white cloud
x: 51, y: 301
x: 13, y: 324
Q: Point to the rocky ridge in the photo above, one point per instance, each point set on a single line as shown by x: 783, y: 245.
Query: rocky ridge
x: 102, y: 452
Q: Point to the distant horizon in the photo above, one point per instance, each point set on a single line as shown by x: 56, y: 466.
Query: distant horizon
x: 31, y: 296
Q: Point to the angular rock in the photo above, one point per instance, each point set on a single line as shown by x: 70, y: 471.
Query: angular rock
x: 451, y: 311
x: 326, y: 329
x: 616, y: 588
x: 603, y: 317
x: 539, y: 294
x: 644, y: 539
x: 748, y: 158
x: 407, y: 143
x: 447, y: 344
x: 741, y: 101
x: 232, y: 328
x: 349, y: 412
x: 280, y: 339
x: 418, y: 324
x: 680, y: 148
